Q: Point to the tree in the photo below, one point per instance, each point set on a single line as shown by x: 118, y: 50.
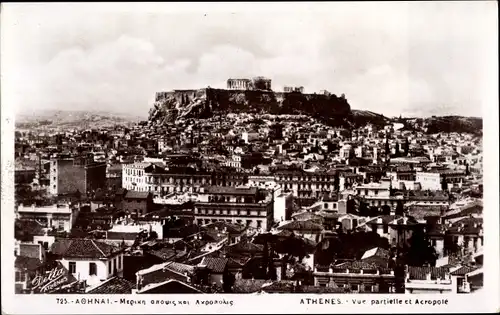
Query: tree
x: 420, y: 251
x: 350, y: 206
x: 363, y: 209
x: 268, y: 240
x: 450, y: 246
x: 406, y: 147
x: 291, y: 247
x: 336, y: 181
x: 228, y: 280
x: 399, y: 208
x: 444, y: 183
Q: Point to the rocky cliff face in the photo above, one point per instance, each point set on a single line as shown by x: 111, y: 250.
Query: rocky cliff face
x: 205, y: 103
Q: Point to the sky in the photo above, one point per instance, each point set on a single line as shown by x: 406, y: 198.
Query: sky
x: 410, y: 59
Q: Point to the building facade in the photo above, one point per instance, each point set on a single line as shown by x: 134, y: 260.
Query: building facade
x: 70, y: 175
x: 247, y: 206
x: 58, y: 217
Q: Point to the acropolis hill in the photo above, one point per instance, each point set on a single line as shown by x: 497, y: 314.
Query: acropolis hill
x: 248, y: 96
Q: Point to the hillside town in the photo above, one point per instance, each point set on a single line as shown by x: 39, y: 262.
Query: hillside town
x: 248, y: 203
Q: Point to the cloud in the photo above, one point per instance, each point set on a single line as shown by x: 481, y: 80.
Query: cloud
x: 419, y: 58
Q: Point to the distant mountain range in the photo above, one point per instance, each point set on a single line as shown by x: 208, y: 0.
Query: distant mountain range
x: 98, y: 119
x: 74, y: 119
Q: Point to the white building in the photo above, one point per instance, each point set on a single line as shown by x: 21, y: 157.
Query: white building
x: 133, y: 176
x: 283, y: 206
x: 89, y: 260
x: 429, y: 181
x: 428, y: 280
x: 59, y: 217
x: 345, y: 151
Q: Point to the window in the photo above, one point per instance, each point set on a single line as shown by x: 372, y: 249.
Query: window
x: 354, y: 287
x: 109, y: 267
x: 259, y: 223
x: 92, y: 269
x: 72, y: 267
x: 326, y: 205
x: 367, y: 288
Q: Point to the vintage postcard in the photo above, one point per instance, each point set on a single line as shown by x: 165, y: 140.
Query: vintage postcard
x: 249, y: 157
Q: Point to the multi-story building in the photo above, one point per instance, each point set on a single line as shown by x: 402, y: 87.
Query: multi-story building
x: 69, y: 175
x: 162, y: 180
x: 357, y: 276
x: 283, y: 207
x: 429, y: 280
x: 306, y: 186
x: 241, y: 205
x: 432, y: 180
x: 378, y: 194
x: 59, y: 217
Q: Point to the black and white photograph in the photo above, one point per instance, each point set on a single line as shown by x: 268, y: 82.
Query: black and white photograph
x: 346, y: 152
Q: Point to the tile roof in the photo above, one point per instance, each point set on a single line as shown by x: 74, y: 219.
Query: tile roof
x: 214, y: 264
x: 60, y: 246
x: 86, y: 248
x: 244, y: 247
x: 248, y: 285
x: 30, y: 250
x: 132, y: 194
x: 237, y: 263
x: 357, y: 264
x: 304, y: 226
x: 174, y: 266
x: 376, y: 251
x: 462, y: 271
x: 167, y: 253
x: 115, y: 285
x: 163, y: 272
x: 420, y: 273
x: 173, y: 283
x: 282, y: 286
